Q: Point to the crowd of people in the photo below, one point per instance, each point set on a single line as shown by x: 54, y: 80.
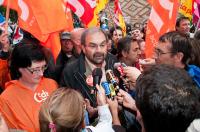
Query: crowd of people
x: 130, y: 93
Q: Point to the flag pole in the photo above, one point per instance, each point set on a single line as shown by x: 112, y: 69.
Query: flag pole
x: 196, y: 29
x: 112, y: 17
x: 7, y: 16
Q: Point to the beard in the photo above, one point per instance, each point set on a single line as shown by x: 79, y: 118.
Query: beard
x: 97, y: 58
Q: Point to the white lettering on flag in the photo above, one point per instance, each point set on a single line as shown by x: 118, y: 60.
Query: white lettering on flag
x: 168, y: 5
x: 24, y: 8
x: 1, y: 2
x: 156, y: 20
x: 92, y: 3
x: 78, y: 6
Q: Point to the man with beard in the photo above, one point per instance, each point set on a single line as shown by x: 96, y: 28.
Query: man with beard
x: 77, y: 74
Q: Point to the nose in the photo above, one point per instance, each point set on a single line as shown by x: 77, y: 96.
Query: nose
x: 40, y: 72
x: 139, y: 52
x: 98, y: 48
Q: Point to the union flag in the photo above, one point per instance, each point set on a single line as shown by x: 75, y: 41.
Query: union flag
x: 162, y: 19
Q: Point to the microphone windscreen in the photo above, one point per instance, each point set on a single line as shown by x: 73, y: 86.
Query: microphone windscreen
x: 97, y: 75
x: 97, y: 72
x: 116, y: 65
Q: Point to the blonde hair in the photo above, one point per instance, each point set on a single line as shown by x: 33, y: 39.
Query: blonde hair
x: 64, y: 108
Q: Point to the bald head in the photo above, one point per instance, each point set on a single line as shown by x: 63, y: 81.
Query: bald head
x: 76, y: 34
x: 76, y: 38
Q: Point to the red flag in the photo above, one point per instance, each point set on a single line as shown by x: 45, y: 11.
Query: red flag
x: 196, y: 11
x: 18, y: 35
x: 84, y: 9
x: 162, y: 19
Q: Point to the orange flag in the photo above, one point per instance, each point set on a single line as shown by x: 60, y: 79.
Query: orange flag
x: 69, y: 18
x: 41, y: 18
x: 162, y: 19
x: 53, y: 43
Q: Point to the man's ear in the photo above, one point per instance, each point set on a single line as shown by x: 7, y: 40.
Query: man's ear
x: 124, y: 54
x: 178, y: 57
x: 177, y: 28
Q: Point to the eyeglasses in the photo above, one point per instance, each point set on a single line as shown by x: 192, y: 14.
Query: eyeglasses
x: 37, y: 70
x: 158, y: 52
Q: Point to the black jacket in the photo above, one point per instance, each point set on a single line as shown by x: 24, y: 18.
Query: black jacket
x: 73, y: 75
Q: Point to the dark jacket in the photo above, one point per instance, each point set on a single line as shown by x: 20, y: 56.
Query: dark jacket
x: 54, y: 70
x: 73, y: 75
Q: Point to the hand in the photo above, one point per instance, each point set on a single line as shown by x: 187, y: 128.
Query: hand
x: 132, y: 73
x: 147, y: 63
x: 3, y: 126
x: 125, y: 99
x: 91, y: 110
x: 113, y: 105
x: 101, y: 96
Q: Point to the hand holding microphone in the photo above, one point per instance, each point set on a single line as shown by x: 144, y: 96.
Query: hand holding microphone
x: 120, y: 68
x: 101, y: 96
x: 111, y: 79
x: 128, y: 74
x: 132, y: 73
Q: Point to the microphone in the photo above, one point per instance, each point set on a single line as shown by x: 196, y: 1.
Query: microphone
x: 106, y: 87
x: 123, y: 64
x: 119, y: 66
x: 97, y: 75
x: 111, y: 78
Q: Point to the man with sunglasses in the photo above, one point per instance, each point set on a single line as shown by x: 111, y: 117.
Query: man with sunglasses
x: 21, y: 100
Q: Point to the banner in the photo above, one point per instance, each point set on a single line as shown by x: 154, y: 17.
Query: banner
x: 101, y: 4
x: 186, y: 8
x: 162, y: 19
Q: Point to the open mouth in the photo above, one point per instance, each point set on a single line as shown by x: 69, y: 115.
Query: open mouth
x: 98, y: 57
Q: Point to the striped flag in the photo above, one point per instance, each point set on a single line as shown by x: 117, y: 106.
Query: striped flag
x: 196, y: 12
x: 162, y: 19
x: 84, y: 9
x: 119, y: 19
